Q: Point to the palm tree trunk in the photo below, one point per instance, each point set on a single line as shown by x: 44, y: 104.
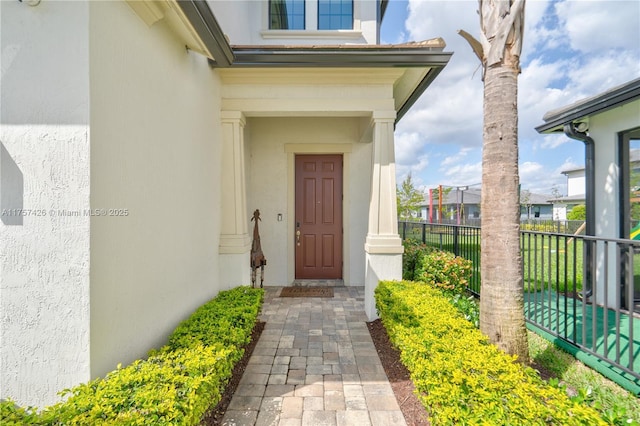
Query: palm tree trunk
x: 502, y: 292
x: 501, y: 299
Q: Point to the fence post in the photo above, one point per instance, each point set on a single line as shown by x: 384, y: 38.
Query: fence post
x: 404, y: 230
x: 424, y: 233
x: 455, y: 240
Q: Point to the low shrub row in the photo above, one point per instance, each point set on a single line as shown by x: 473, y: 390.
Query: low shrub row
x: 175, y: 385
x: 459, y: 376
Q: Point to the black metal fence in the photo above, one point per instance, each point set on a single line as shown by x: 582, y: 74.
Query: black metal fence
x: 463, y: 241
x: 580, y: 289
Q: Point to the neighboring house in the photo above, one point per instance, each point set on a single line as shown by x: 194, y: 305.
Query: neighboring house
x: 609, y: 126
x: 137, y: 139
x: 575, y: 193
x: 535, y: 206
x: 576, y: 185
x: 467, y: 203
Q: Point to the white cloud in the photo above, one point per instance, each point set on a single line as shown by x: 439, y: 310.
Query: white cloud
x: 539, y: 178
x: 594, y: 26
x: 450, y: 111
x: 569, y: 164
x: 598, y: 73
x: 553, y: 141
x: 572, y: 50
x: 410, y: 155
x: 462, y: 174
x: 529, y: 168
x: 453, y: 159
x: 409, y: 148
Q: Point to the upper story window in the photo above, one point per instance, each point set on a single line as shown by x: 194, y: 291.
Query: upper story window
x: 335, y: 14
x: 286, y: 14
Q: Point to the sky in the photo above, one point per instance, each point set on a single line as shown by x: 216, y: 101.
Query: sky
x: 572, y: 49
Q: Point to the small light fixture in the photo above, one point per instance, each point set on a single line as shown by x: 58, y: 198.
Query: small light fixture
x: 279, y: 217
x: 30, y: 2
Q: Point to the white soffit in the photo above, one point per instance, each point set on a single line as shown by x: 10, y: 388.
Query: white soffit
x: 152, y: 11
x: 406, y: 85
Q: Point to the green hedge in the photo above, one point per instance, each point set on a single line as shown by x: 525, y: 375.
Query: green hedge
x: 174, y: 385
x: 444, y: 270
x: 414, y: 251
x: 459, y: 376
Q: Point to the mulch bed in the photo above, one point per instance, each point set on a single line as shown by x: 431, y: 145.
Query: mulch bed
x: 412, y: 409
x: 299, y: 291
x: 214, y: 416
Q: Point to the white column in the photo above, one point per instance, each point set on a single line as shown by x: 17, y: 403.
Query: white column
x: 383, y: 246
x: 235, y: 244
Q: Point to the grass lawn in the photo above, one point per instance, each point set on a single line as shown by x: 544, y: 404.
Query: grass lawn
x: 552, y: 262
x: 611, y: 399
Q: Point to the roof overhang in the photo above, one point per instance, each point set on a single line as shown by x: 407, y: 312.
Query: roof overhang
x: 583, y: 109
x: 201, y: 18
x: 191, y: 21
x: 422, y: 61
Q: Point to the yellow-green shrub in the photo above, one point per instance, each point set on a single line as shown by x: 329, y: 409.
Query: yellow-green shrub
x: 174, y: 386
x: 227, y: 319
x: 459, y: 376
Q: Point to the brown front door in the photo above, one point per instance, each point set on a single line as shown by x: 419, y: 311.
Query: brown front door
x: 318, y: 219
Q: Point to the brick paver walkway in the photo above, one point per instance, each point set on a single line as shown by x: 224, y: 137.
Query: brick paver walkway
x: 315, y: 364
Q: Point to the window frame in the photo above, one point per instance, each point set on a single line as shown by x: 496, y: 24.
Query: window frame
x: 336, y: 29
x: 304, y: 16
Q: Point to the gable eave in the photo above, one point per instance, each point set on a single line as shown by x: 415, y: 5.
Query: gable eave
x: 210, y: 34
x: 578, y: 111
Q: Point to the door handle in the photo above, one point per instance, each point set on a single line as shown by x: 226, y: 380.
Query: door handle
x: 298, y: 237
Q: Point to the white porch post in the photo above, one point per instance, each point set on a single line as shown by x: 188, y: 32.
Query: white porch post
x: 383, y: 246
x: 235, y: 243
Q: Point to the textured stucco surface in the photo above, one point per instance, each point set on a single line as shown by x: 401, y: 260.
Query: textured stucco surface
x: 44, y: 255
x: 604, y: 129
x: 110, y: 142
x: 155, y: 149
x: 380, y: 267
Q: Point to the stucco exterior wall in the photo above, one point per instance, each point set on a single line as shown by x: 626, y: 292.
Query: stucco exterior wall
x: 604, y: 129
x: 44, y: 190
x: 270, y: 186
x: 155, y: 149
x: 246, y: 22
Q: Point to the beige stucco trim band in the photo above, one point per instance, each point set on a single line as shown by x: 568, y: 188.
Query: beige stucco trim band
x: 383, y: 244
x: 234, y: 244
x: 328, y: 148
